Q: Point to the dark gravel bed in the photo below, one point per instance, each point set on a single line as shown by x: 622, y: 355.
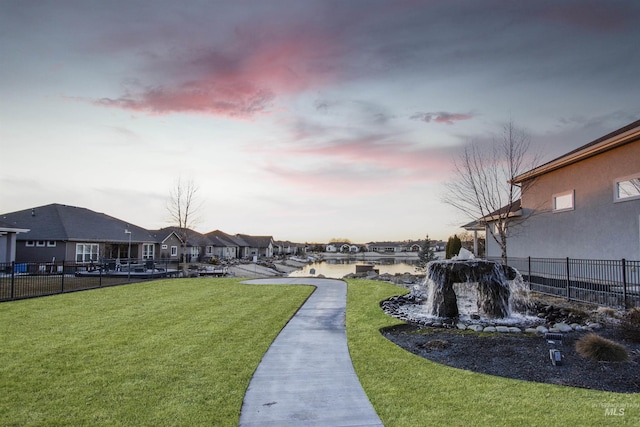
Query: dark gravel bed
x: 522, y: 356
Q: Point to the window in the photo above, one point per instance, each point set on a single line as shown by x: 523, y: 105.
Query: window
x: 209, y: 250
x: 165, y: 246
x: 51, y: 244
x: 40, y: 243
x: 30, y: 243
x: 627, y: 188
x: 174, y: 251
x: 86, y: 252
x: 147, y: 250
x: 563, y: 201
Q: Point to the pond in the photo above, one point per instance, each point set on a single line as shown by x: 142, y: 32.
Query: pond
x: 338, y: 268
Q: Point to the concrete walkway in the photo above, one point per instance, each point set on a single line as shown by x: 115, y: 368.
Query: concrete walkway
x: 306, y: 377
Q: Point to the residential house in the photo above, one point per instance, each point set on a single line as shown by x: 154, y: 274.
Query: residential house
x: 386, y: 247
x: 281, y: 247
x: 342, y: 247
x: 168, y: 245
x: 255, y: 246
x: 222, y: 245
x: 198, y: 246
x: 584, y: 204
x: 68, y: 233
x: 8, y: 240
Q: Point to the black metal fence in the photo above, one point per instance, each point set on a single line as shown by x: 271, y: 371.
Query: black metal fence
x: 613, y: 283
x: 34, y: 279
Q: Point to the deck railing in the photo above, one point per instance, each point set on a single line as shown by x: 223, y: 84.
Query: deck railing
x: 34, y: 279
x: 613, y: 283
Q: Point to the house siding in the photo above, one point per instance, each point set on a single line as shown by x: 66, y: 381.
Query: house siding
x: 596, y: 228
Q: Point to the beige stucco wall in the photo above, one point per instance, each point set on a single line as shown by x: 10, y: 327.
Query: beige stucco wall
x: 598, y: 227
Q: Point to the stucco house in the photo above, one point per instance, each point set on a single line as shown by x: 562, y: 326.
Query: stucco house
x: 68, y: 233
x: 584, y: 204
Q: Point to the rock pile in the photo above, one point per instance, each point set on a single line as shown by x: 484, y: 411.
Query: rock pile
x: 547, y: 319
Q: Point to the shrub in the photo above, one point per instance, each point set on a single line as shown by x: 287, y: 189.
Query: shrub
x: 595, y: 347
x: 630, y: 324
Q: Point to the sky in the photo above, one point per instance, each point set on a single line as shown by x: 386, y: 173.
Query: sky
x: 305, y: 120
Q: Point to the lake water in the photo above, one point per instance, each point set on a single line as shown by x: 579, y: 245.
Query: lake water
x: 338, y: 268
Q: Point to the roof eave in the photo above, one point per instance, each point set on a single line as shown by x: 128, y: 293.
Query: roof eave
x: 615, y: 140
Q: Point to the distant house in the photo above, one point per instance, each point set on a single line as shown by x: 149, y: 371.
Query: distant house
x: 281, y: 247
x: 68, y: 233
x: 250, y: 246
x: 168, y: 245
x: 386, y: 247
x: 222, y: 245
x: 8, y: 241
x: 342, y: 247
x: 584, y: 204
x: 331, y: 248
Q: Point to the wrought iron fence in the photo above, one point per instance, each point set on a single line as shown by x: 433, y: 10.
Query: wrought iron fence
x: 614, y: 283
x: 34, y: 279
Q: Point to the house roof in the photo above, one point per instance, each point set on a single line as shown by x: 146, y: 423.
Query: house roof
x: 624, y: 135
x: 193, y: 237
x: 70, y: 223
x: 255, y: 241
x: 8, y: 228
x: 474, y: 225
x: 220, y: 238
x: 515, y: 209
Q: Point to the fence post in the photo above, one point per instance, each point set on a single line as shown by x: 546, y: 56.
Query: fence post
x: 62, y: 281
x: 13, y: 279
x: 568, y: 282
x: 624, y: 283
x: 529, y: 270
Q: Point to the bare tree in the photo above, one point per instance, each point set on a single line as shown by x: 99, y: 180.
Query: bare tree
x: 484, y: 187
x: 183, y: 207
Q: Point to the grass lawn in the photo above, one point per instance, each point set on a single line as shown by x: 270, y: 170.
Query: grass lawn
x: 407, y: 390
x: 173, y: 352
x: 182, y: 352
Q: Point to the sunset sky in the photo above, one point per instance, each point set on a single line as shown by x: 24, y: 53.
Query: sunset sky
x: 306, y: 120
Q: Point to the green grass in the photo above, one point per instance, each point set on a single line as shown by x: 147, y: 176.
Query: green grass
x: 182, y: 352
x: 174, y: 352
x: 407, y: 390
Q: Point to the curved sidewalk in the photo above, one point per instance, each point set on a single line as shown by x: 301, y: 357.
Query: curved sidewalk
x: 306, y: 377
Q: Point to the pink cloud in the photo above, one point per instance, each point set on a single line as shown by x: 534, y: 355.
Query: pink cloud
x: 441, y: 117
x: 368, y: 166
x: 241, y: 80
x: 232, y: 100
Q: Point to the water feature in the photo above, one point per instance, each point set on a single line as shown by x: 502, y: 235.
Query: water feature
x: 486, y: 283
x: 469, y: 290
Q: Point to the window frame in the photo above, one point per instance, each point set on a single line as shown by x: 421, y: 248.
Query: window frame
x: 85, y: 257
x: 557, y: 196
x: 148, y: 251
x: 617, y: 181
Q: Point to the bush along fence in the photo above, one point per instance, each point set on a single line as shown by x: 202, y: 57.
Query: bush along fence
x: 613, y: 283
x: 34, y: 279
